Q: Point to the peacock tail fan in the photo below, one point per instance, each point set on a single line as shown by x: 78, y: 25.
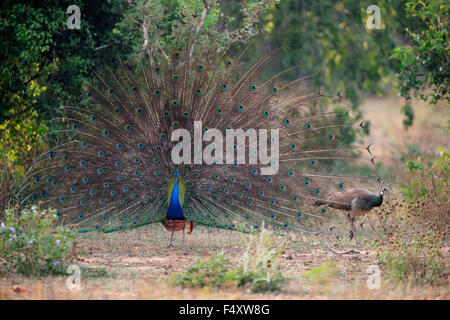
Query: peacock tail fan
x: 112, y: 167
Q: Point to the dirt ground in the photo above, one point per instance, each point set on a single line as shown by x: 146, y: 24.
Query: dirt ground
x: 137, y: 264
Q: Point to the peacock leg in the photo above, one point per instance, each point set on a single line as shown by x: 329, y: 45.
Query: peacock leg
x: 171, y: 236
x: 184, y: 235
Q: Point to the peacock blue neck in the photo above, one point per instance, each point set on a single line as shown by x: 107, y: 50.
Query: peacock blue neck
x: 175, y: 212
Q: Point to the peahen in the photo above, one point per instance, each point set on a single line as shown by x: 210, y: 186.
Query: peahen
x: 111, y: 163
x: 357, y: 202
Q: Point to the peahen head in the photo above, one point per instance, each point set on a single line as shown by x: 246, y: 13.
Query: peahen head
x: 384, y: 191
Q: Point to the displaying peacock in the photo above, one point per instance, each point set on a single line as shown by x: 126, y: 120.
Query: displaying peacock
x: 120, y: 161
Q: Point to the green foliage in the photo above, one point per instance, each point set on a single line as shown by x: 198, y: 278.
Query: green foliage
x: 427, y: 177
x: 258, y: 270
x: 331, y: 37
x: 322, y: 274
x: 211, y: 271
x: 32, y: 244
x: 424, y: 62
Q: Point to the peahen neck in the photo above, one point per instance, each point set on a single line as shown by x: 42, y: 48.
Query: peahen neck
x: 378, y: 201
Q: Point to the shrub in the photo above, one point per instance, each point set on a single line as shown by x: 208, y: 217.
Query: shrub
x: 32, y: 244
x: 211, y: 271
x: 257, y: 271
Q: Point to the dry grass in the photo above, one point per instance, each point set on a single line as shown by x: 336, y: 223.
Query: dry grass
x: 137, y: 264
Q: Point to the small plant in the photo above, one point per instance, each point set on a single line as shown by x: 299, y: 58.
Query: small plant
x: 258, y: 270
x: 211, y: 271
x: 322, y: 273
x: 32, y: 244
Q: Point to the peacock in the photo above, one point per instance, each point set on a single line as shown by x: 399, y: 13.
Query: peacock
x: 191, y: 135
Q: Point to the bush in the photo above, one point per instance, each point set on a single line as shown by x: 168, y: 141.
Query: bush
x: 211, y: 271
x: 32, y: 244
x: 257, y: 271
x: 410, y: 249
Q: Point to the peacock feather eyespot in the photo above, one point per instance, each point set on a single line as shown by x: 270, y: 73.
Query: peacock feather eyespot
x: 118, y: 164
x: 94, y: 118
x: 67, y: 168
x: 140, y: 145
x: 240, y: 107
x: 82, y: 202
x: 200, y: 67
x: 82, y: 163
x: 253, y: 88
x: 137, y: 160
x: 286, y: 122
x: 198, y: 91
x: 177, y: 54
x: 166, y: 114
x: 89, y: 94
x: 73, y: 189
x: 186, y: 114
x: 157, y: 69
x: 128, y: 128
x: 261, y: 193
x: 157, y: 92
x: 282, y: 187
x: 157, y: 173
x: 139, y: 111
x: 100, y: 170
x: 111, y: 91
x: 308, y: 126
x: 106, y: 184
x: 174, y: 103
x: 85, y: 179
x: 155, y: 160
x: 62, y: 199
x: 120, y: 177
x: 106, y: 133
x: 143, y: 183
x: 92, y: 192
x: 100, y: 154
x: 275, y: 89
x: 176, y: 78
x: 113, y: 193
x: 176, y: 124
x: 269, y: 179
x: 316, y: 191
x: 312, y: 162
x: 224, y: 86
x: 134, y: 89
x: 266, y: 114
x: 119, y: 146
x: 75, y: 126
x: 117, y: 110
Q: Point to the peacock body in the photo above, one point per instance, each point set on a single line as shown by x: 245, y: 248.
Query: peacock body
x: 111, y: 166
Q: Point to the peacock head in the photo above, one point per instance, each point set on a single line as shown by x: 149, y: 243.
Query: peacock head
x: 176, y: 174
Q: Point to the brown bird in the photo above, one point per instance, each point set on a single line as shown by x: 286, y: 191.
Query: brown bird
x: 357, y: 202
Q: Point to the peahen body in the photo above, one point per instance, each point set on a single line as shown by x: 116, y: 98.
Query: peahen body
x: 357, y: 202
x: 112, y: 164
